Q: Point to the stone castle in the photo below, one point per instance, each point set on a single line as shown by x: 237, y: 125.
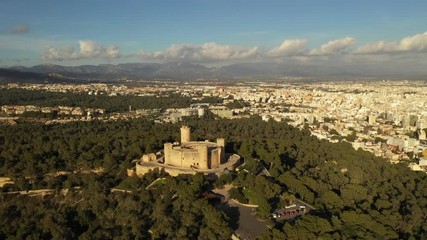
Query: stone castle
x: 189, y: 157
x: 193, y: 154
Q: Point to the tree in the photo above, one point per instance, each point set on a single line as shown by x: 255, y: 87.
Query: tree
x: 332, y: 201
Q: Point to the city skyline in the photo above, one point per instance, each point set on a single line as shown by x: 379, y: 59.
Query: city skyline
x: 385, y: 34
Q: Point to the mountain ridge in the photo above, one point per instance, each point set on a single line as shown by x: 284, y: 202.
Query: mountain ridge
x: 191, y: 71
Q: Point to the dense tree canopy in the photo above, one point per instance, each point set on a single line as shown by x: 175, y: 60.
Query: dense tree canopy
x: 93, y: 212
x: 118, y: 103
x: 356, y: 194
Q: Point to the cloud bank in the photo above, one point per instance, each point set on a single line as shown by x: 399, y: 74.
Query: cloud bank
x: 415, y: 43
x: 288, y: 48
x: 88, y: 49
x: 206, y: 52
x: 333, y: 47
x: 335, y: 51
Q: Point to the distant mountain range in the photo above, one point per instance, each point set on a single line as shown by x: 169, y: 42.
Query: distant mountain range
x: 9, y: 75
x: 184, y: 71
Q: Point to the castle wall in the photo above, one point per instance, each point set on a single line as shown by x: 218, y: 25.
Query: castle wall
x: 190, y: 158
x: 175, y: 158
x: 143, y: 168
x: 167, y: 151
x: 215, y: 158
x: 198, y: 155
x: 220, y: 142
x: 149, y: 157
x: 203, y: 156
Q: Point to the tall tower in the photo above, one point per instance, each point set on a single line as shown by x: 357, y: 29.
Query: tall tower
x: 185, y: 134
x: 221, y: 144
x: 167, y: 150
x: 203, y: 156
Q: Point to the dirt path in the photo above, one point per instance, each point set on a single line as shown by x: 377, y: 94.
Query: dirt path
x: 5, y: 180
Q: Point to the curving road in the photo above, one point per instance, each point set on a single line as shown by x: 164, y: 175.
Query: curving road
x: 243, y: 219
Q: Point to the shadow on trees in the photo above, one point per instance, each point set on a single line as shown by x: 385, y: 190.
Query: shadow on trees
x: 288, y: 161
x: 232, y: 213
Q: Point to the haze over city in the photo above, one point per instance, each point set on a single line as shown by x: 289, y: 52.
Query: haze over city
x: 385, y: 37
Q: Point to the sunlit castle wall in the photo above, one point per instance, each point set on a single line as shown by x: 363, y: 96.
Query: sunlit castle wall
x: 193, y: 154
x: 197, y: 156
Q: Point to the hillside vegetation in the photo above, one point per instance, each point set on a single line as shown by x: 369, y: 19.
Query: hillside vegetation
x: 356, y: 194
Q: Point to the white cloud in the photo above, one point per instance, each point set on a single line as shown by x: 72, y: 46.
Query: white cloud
x: 333, y: 47
x: 59, y: 54
x: 415, y: 43
x: 206, y: 52
x: 112, y: 52
x: 297, y: 47
x: 288, y: 48
x: 378, y: 47
x: 87, y: 49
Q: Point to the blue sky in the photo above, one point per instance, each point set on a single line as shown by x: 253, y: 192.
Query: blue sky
x: 212, y: 32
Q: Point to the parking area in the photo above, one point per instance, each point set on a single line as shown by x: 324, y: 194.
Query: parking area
x: 290, y: 211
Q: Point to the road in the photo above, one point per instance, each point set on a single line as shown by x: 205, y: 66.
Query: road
x: 38, y: 192
x: 243, y: 219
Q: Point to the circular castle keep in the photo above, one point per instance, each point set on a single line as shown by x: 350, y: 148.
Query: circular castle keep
x: 189, y: 157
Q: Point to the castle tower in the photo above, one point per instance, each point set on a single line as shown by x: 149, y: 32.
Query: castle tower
x: 167, y: 150
x: 203, y: 156
x: 185, y: 134
x: 221, y: 144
